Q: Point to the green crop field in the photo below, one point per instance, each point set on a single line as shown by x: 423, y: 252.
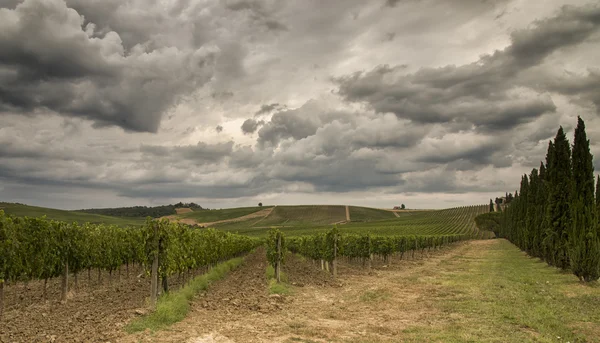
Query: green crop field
x: 207, y: 216
x: 296, y: 221
x: 20, y: 210
x: 304, y: 216
x: 366, y: 214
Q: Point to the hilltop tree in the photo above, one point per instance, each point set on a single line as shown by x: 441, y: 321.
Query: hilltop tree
x: 584, y: 243
x: 402, y: 206
x: 491, y: 206
x: 260, y: 204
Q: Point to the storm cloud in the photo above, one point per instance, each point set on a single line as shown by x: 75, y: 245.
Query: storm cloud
x: 230, y: 103
x: 50, y: 60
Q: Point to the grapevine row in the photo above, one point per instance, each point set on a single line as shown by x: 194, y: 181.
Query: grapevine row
x: 37, y: 248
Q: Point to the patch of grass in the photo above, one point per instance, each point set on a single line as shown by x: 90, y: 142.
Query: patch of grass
x: 174, y: 306
x: 274, y: 287
x: 498, y: 294
x: 375, y: 295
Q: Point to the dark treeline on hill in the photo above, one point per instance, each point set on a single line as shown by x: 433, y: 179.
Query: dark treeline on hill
x: 142, y: 211
x: 554, y: 215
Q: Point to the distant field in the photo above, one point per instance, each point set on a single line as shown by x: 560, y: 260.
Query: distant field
x: 458, y: 220
x: 366, y: 214
x: 208, y: 216
x: 304, y: 216
x: 67, y: 216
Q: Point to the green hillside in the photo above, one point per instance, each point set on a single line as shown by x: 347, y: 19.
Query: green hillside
x: 366, y: 214
x: 20, y: 210
x: 306, y: 220
x: 304, y: 216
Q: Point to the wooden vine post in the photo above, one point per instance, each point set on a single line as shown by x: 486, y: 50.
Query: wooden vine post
x: 154, y: 272
x: 65, y: 282
x: 370, y: 265
x: 334, y: 261
x: 1, y: 297
x: 278, y: 263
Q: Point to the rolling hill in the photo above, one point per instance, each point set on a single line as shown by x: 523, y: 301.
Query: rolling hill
x: 20, y: 210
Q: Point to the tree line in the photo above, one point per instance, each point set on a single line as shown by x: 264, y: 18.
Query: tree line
x: 554, y: 215
x: 142, y: 211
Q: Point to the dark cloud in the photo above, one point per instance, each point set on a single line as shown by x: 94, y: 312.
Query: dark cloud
x: 10, y: 4
x: 49, y: 61
x: 571, y: 26
x: 266, y: 109
x: 259, y: 11
x: 219, y: 128
x: 250, y: 125
x: 294, y: 124
x: 484, y: 93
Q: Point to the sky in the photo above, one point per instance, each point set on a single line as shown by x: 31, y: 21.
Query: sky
x: 427, y: 103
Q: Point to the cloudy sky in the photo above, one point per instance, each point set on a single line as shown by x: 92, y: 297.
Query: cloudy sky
x: 431, y: 103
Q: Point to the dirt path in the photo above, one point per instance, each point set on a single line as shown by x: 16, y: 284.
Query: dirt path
x: 262, y: 214
x: 347, y: 213
x: 396, y: 214
x: 369, y: 306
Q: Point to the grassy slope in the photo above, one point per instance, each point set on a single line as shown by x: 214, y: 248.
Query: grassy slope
x: 366, y: 214
x: 456, y: 220
x: 498, y: 294
x: 207, y: 216
x: 68, y: 216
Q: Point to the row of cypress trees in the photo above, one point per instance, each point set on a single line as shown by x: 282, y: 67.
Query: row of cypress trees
x: 554, y: 215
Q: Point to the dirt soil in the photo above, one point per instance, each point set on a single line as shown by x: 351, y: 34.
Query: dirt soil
x: 183, y: 210
x: 361, y: 305
x: 93, y: 312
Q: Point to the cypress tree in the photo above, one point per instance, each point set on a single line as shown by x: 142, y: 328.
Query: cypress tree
x: 542, y: 199
x: 491, y: 206
x: 531, y: 243
x: 549, y: 243
x: 584, y: 244
x: 559, y: 205
x: 598, y: 195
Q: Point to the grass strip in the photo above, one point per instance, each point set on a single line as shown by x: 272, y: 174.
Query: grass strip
x: 274, y: 287
x: 174, y: 306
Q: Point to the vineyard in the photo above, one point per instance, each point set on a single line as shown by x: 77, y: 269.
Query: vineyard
x: 302, y: 220
x: 100, y: 282
x: 330, y: 246
x: 37, y: 248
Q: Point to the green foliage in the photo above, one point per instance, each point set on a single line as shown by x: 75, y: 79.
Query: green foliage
x: 554, y: 216
x: 584, y: 245
x: 142, y: 211
x: 273, y: 254
x: 320, y: 246
x: 489, y: 221
x: 34, y: 248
